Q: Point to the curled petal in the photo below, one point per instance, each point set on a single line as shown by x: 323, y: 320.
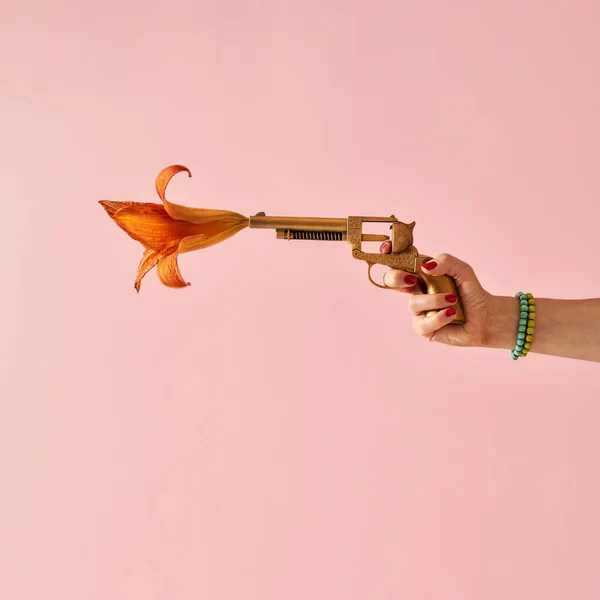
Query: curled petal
x: 168, y: 271
x: 149, y: 260
x: 162, y: 181
x: 184, y: 213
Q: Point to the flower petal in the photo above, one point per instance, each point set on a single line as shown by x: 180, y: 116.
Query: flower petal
x: 149, y: 260
x: 150, y: 225
x: 185, y: 213
x: 168, y: 271
x: 197, y: 242
x: 112, y: 208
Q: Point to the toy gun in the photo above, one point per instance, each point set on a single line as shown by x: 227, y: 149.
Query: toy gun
x: 403, y: 255
x: 167, y: 230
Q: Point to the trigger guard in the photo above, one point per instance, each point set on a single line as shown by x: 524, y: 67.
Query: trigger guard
x: 383, y: 287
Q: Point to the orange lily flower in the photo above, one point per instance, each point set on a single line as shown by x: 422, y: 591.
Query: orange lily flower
x: 168, y: 230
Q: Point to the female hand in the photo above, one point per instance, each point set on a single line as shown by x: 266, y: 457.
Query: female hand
x: 477, y: 303
x: 566, y: 328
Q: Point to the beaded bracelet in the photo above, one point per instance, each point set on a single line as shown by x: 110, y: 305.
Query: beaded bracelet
x: 526, y: 325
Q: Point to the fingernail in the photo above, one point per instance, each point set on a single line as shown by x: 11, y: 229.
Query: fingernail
x: 451, y: 298
x: 451, y: 312
x: 410, y: 280
x: 383, y: 246
x: 432, y: 264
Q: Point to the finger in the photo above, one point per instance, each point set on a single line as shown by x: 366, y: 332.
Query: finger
x: 421, y: 303
x: 425, y: 326
x: 401, y: 280
x: 446, y: 264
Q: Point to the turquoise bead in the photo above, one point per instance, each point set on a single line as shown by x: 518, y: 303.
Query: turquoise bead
x: 522, y: 328
x: 524, y: 315
x: 521, y: 336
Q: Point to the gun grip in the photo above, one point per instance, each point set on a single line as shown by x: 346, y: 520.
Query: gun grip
x: 443, y: 284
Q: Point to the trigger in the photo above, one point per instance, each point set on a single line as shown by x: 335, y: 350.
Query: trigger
x: 383, y: 287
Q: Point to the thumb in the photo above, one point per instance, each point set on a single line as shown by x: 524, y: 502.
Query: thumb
x: 446, y: 264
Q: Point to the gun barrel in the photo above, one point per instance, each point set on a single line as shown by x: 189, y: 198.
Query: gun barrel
x: 313, y: 228
x: 299, y: 223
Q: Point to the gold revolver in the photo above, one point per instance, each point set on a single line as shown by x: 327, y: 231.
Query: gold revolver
x: 403, y: 256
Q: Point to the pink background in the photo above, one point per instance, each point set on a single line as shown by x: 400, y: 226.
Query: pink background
x: 276, y: 431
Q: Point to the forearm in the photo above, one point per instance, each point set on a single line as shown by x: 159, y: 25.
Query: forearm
x: 566, y: 328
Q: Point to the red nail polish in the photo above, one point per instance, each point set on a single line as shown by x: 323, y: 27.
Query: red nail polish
x: 451, y: 312
x: 432, y: 264
x: 383, y: 246
x: 410, y: 280
x: 451, y: 298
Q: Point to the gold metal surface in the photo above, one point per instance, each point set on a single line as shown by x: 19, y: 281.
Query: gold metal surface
x: 404, y: 255
x: 298, y: 223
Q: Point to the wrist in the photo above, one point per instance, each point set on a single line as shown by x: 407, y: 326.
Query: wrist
x: 502, y: 323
